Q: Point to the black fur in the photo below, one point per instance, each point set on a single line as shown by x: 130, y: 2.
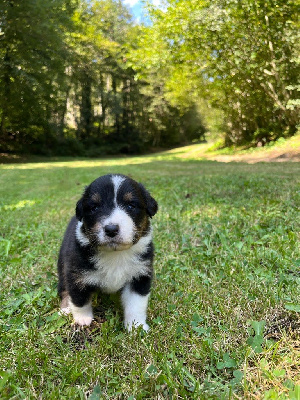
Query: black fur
x: 141, y: 285
x: 151, y: 204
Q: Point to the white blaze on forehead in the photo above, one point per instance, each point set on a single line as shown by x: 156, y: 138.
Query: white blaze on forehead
x: 119, y: 216
x: 117, y: 182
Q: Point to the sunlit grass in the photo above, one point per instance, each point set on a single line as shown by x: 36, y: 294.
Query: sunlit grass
x: 227, y: 254
x: 201, y: 151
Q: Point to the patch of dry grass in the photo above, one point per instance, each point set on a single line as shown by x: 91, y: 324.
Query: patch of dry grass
x: 275, y: 373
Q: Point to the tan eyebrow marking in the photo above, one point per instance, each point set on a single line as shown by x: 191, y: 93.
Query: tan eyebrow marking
x: 96, y: 197
x: 128, y: 196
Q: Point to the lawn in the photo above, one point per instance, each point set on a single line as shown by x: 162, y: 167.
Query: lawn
x: 224, y: 310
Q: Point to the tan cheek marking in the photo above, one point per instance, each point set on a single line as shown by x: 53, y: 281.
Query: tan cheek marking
x: 128, y: 196
x: 143, y: 227
x: 96, y: 197
x: 96, y: 228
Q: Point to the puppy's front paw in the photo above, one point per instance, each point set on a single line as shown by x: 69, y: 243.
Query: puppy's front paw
x: 82, y: 315
x: 83, y: 320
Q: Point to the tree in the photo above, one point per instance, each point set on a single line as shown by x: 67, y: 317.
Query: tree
x: 238, y: 54
x: 168, y: 105
x: 33, y: 59
x: 69, y: 83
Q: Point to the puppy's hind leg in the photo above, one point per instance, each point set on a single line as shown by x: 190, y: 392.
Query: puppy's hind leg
x: 61, y: 289
x: 65, y: 303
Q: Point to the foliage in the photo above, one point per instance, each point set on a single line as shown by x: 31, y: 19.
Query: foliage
x: 80, y: 77
x: 33, y: 56
x: 243, y: 56
x: 227, y: 265
x: 66, y: 86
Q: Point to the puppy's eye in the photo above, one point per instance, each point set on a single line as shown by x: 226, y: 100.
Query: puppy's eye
x: 130, y: 206
x: 94, y: 208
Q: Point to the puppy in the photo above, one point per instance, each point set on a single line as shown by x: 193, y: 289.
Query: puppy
x: 108, y: 247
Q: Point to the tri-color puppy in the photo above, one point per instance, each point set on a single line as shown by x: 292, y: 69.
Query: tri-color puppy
x: 108, y: 246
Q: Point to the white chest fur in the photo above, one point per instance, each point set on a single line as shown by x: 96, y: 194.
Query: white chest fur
x: 115, y: 268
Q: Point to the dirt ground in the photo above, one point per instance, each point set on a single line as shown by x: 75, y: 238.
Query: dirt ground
x: 275, y: 155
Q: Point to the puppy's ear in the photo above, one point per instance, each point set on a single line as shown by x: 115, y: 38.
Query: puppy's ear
x: 79, y: 206
x: 151, y: 204
x: 79, y: 210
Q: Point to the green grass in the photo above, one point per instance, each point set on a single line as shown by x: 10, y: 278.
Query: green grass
x: 226, y: 287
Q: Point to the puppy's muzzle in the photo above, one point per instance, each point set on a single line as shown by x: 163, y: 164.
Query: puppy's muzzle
x: 111, y: 230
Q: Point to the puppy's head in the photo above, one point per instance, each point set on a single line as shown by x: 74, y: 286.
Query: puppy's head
x: 115, y: 211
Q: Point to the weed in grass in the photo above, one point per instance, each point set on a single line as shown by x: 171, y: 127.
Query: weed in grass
x: 257, y: 338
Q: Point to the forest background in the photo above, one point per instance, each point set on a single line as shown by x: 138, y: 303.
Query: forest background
x: 82, y: 77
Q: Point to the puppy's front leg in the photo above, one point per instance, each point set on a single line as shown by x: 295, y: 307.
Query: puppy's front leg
x: 135, y: 307
x: 80, y: 304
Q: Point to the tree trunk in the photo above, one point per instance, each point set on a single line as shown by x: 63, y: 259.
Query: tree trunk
x: 6, y: 92
x: 103, y: 106
x: 86, y: 115
x: 116, y: 106
x: 125, y: 105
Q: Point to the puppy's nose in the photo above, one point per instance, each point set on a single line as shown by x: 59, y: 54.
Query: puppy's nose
x: 111, y: 230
